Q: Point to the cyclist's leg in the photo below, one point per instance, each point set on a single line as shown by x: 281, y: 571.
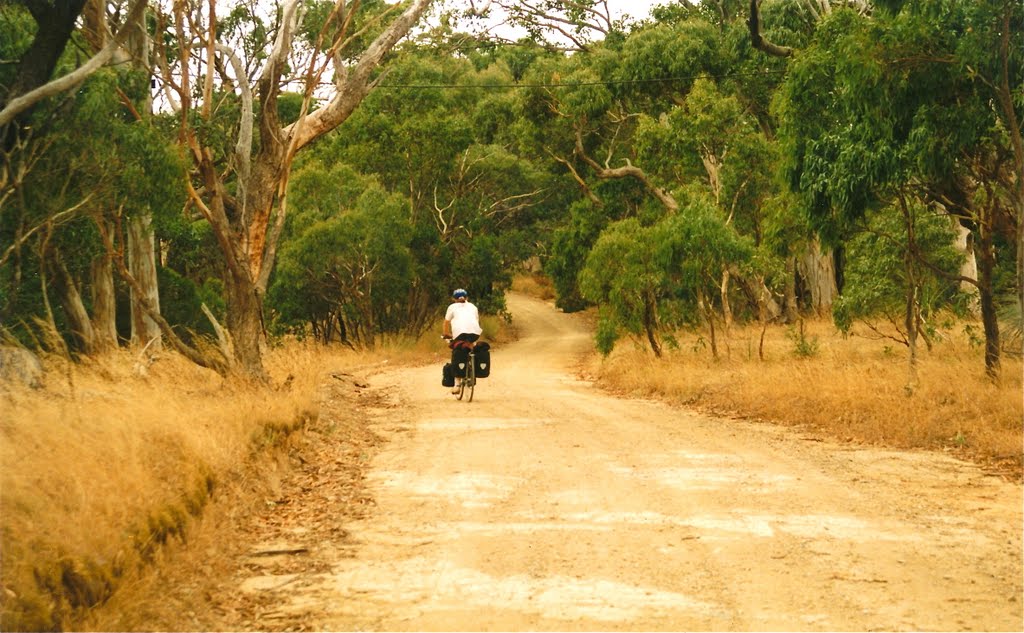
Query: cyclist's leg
x: 461, y: 338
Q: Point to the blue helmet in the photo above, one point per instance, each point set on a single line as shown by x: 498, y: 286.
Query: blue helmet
x: 460, y: 294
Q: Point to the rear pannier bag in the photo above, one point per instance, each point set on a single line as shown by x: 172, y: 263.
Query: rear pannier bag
x: 482, y: 355
x: 460, y: 358
x: 447, y: 376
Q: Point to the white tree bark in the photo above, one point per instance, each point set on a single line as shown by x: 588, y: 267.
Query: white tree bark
x: 74, y: 308
x: 357, y: 84
x: 141, y: 241
x: 965, y: 245
x: 142, y: 265
x: 818, y: 270
x: 104, y: 306
x: 247, y: 215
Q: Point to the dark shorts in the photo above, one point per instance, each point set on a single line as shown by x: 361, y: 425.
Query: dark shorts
x: 454, y: 344
x: 469, y: 338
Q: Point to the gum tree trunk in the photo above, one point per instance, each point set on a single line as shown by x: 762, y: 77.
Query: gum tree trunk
x: 74, y: 309
x: 248, y: 215
x: 989, y: 319
x: 245, y: 322
x: 651, y: 323
x: 104, y: 306
x: 969, y: 269
x: 817, y: 268
x: 142, y: 265
x: 141, y: 241
x: 726, y: 306
x: 790, y: 306
x: 912, y: 315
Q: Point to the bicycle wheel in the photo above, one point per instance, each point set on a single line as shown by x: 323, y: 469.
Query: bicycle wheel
x: 463, y: 380
x: 470, y: 377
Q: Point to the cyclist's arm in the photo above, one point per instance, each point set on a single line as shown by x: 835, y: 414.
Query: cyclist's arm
x: 446, y: 328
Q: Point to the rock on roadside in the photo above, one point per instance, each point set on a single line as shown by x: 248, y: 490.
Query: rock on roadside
x: 20, y: 366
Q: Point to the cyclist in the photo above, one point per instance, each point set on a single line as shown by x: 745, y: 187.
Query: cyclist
x: 461, y: 323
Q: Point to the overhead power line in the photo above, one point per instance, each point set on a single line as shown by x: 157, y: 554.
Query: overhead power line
x: 573, y: 84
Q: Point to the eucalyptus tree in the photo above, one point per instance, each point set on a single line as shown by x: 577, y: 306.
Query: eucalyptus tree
x: 624, y: 277
x: 438, y: 131
x: 70, y: 203
x: 647, y: 279
x: 878, y: 277
x: 234, y: 65
x: 346, y: 272
x: 899, y: 123
x: 712, y: 140
x: 638, y: 110
x: 988, y: 52
x: 556, y: 24
x: 37, y: 130
x: 55, y: 22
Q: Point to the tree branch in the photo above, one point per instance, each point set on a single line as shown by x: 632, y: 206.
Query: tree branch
x: 346, y: 98
x: 579, y: 179
x: 243, y: 147
x: 21, y: 103
x: 757, y: 40
x: 221, y: 366
x: 629, y: 171
x: 50, y: 222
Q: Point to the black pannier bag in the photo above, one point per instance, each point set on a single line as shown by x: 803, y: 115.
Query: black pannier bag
x: 460, y: 358
x: 482, y: 355
x: 447, y: 376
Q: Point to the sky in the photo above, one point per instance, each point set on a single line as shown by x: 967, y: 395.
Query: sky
x: 635, y: 9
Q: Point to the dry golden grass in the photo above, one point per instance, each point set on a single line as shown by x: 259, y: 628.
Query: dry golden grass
x: 106, y: 463
x: 852, y: 388
x: 535, y: 285
x: 102, y: 465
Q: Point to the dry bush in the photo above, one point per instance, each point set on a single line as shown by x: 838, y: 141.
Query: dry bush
x: 106, y: 463
x: 535, y: 285
x: 853, y: 388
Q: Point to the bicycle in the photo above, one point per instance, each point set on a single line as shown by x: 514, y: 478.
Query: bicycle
x: 468, y: 381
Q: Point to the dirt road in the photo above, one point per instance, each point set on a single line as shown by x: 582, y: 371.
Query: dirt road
x: 548, y: 505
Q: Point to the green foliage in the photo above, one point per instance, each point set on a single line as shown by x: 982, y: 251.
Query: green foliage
x: 874, y: 104
x: 94, y: 164
x: 181, y: 303
x: 683, y: 50
x: 877, y: 280
x: 363, y: 28
x: 430, y: 186
x: 352, y: 268
x: 607, y: 333
x: 646, y: 279
x: 18, y: 28
x: 245, y: 27
x: 622, y: 276
x: 289, y: 106
x: 803, y: 347
x: 472, y: 199
x: 696, y: 244
x: 711, y: 140
x: 569, y: 247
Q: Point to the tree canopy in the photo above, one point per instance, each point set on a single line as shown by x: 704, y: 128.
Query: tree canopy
x: 333, y: 171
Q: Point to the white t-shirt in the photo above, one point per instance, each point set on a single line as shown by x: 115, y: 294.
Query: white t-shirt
x: 464, y: 317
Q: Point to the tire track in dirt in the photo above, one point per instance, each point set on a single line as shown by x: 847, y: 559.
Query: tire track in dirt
x: 548, y: 505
